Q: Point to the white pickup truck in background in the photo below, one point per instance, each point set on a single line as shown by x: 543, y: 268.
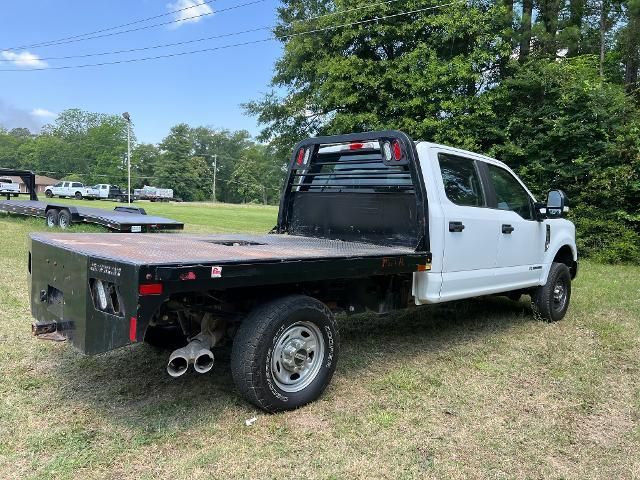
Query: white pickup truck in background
x: 7, y: 187
x: 71, y: 189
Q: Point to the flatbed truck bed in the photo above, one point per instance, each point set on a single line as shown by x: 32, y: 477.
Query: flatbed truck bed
x: 116, y: 220
x: 233, y: 260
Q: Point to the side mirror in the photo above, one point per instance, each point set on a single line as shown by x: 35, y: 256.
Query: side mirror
x: 557, y: 204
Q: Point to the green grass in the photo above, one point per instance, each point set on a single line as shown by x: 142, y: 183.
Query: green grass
x: 474, y: 389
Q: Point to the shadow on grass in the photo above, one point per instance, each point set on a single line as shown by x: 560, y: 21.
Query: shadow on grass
x: 131, y: 387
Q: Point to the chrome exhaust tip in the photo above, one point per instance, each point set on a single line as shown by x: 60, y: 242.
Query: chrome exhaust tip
x: 178, y: 364
x: 203, y: 362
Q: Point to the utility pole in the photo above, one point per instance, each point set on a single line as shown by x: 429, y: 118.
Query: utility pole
x: 215, y: 171
x: 127, y: 117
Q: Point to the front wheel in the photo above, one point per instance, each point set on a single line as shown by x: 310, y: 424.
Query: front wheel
x: 48, y: 193
x: 551, y: 300
x: 285, y: 352
x: 78, y: 195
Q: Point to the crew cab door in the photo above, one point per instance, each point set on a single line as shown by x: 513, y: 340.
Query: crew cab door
x: 521, y: 236
x: 470, y: 240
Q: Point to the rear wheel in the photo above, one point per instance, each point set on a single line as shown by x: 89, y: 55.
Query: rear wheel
x: 551, y: 300
x: 64, y: 219
x: 285, y: 352
x: 52, y: 218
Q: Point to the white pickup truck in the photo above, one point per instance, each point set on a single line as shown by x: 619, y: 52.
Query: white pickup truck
x: 367, y: 222
x: 71, y: 189
x: 7, y: 187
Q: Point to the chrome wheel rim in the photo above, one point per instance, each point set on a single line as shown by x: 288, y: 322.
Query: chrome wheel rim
x: 297, y: 356
x: 559, y: 294
x: 50, y: 222
x: 63, y: 222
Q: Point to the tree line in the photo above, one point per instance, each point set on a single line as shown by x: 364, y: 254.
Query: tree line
x: 548, y: 86
x: 92, y: 148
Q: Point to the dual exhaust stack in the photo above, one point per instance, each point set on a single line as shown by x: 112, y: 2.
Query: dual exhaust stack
x: 197, y: 353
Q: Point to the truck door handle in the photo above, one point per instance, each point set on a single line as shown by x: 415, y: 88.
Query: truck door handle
x: 456, y: 226
x: 507, y: 228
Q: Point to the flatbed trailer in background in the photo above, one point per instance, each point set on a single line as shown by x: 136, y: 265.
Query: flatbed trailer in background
x: 121, y: 219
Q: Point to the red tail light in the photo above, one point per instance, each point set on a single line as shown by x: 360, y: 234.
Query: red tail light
x: 300, y: 158
x: 356, y: 146
x: 397, y: 150
x: 150, y: 289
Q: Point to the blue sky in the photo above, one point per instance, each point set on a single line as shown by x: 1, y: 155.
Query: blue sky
x: 200, y: 89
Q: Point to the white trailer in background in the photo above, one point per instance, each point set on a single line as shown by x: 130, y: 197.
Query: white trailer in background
x: 154, y: 194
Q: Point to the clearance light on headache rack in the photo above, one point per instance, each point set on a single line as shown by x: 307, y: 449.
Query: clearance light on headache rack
x: 360, y: 146
x: 392, y: 151
x: 303, y: 156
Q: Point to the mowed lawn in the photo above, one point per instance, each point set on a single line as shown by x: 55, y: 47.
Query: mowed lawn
x: 473, y: 389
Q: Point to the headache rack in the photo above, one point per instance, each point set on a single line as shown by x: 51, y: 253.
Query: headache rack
x: 366, y: 187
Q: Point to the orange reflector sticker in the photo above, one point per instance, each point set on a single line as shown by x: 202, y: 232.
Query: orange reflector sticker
x: 424, y: 268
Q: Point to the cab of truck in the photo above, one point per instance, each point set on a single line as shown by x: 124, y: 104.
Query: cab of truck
x: 488, y: 232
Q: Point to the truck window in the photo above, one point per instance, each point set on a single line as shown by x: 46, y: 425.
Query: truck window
x: 59, y: 184
x: 76, y: 185
x: 509, y: 193
x: 461, y: 180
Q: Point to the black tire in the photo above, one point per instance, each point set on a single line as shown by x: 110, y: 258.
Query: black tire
x: 78, y: 195
x: 64, y: 219
x: 51, y: 218
x: 48, y: 193
x: 551, y: 301
x: 257, y: 341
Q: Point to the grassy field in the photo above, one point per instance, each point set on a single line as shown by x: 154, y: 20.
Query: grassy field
x: 474, y: 389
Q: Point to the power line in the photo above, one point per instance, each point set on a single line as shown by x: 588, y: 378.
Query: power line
x: 145, y: 27
x: 213, y: 37
x: 135, y: 22
x: 268, y: 39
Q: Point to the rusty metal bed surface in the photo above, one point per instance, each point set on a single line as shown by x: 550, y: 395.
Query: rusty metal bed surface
x: 149, y: 249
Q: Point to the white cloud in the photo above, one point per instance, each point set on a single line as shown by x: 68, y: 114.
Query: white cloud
x: 23, y: 59
x: 43, y: 113
x: 15, y: 117
x: 193, y: 9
